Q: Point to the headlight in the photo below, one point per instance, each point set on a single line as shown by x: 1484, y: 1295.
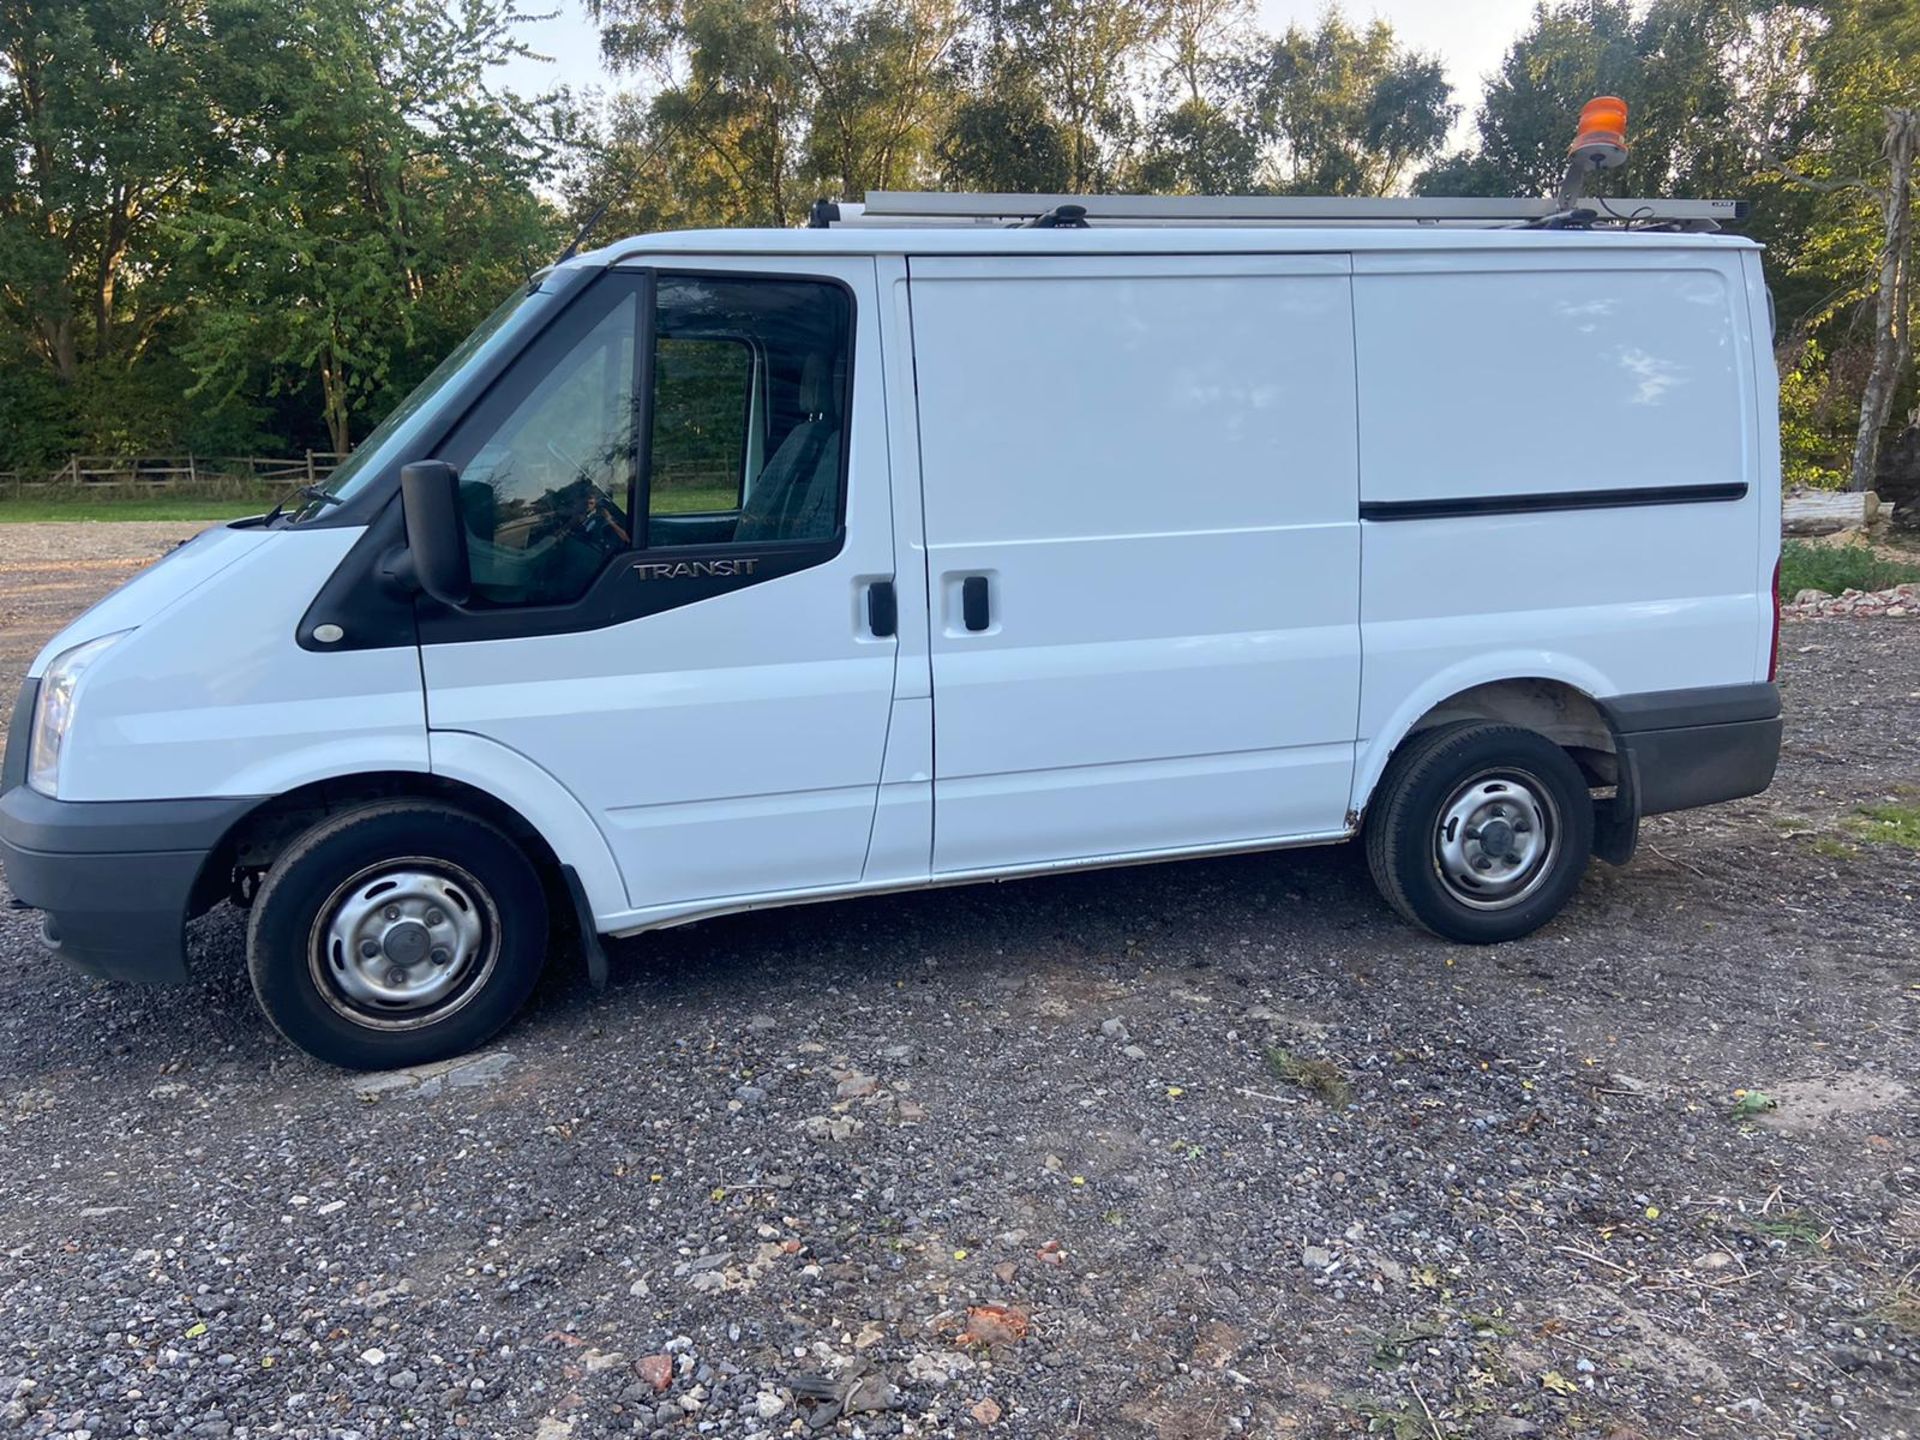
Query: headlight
x: 53, y: 712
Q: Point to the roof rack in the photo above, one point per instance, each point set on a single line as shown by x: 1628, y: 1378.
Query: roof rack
x: 904, y: 208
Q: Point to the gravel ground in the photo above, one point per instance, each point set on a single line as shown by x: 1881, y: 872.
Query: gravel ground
x: 1020, y: 1159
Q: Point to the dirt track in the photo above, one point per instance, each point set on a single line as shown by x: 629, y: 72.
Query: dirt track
x: 796, y: 1147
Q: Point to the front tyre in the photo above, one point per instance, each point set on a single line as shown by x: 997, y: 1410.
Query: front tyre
x: 397, y: 933
x: 1480, y: 832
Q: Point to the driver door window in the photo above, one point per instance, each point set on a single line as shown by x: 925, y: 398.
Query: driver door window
x: 546, y: 494
x: 745, y: 444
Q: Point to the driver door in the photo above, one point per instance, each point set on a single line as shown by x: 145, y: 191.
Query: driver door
x: 676, y: 504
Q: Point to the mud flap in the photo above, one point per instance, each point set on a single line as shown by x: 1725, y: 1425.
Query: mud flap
x: 591, y: 949
x: 1616, y: 822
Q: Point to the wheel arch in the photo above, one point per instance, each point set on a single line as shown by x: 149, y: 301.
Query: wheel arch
x: 257, y: 838
x: 1565, y: 710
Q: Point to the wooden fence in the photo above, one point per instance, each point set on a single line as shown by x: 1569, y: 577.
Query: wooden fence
x: 149, y: 473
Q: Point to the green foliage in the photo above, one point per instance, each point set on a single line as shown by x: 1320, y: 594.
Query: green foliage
x: 1815, y: 426
x: 1834, y: 568
x: 1351, y: 111
x: 1321, y: 1076
x: 214, y: 202
x: 1888, y: 825
x: 38, y: 509
x: 239, y: 224
x: 1751, y: 1103
x: 1004, y: 138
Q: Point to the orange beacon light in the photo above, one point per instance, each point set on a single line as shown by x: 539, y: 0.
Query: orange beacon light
x: 1601, y: 140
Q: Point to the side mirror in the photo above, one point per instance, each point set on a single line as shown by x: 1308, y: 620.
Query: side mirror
x: 436, y: 555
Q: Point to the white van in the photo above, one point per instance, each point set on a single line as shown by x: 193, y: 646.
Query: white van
x: 735, y: 569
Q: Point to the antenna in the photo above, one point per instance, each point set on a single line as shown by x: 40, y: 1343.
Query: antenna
x: 619, y: 191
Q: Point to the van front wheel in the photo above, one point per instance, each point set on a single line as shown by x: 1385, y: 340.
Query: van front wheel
x: 1479, y: 832
x: 396, y: 933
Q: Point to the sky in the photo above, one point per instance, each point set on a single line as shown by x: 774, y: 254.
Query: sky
x: 1469, y: 35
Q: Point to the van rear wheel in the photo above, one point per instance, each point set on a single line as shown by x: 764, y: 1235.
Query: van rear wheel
x: 1480, y: 832
x: 397, y: 933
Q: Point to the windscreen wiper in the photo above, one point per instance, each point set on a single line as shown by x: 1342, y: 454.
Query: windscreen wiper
x: 305, y: 492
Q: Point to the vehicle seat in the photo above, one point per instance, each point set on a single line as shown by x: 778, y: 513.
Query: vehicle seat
x: 796, y: 496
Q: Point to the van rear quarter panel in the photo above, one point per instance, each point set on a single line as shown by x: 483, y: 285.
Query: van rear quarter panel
x: 1528, y: 374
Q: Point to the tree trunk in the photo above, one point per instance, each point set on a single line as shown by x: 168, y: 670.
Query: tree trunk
x: 333, y: 394
x: 1890, y: 321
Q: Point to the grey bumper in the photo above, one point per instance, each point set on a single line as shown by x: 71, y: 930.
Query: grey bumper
x: 1682, y: 748
x: 115, y: 881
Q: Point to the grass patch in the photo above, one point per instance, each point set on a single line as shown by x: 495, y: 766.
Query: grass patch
x: 1833, y: 568
x: 36, y: 509
x: 1887, y: 825
x: 1901, y: 1310
x: 1322, y: 1077
x: 1794, y: 1227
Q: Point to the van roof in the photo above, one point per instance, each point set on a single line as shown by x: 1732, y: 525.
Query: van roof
x: 1110, y: 239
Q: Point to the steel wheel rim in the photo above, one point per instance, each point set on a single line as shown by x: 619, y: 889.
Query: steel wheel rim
x: 1497, y: 839
x: 404, y: 944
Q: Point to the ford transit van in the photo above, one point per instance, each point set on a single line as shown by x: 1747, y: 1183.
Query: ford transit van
x: 722, y: 570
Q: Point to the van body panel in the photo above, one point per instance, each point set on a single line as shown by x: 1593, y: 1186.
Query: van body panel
x: 176, y: 574
x: 1594, y: 382
x: 729, y: 746
x: 1150, y: 463
x: 1767, y: 479
x: 902, y: 846
x: 532, y: 793
x: 211, y: 697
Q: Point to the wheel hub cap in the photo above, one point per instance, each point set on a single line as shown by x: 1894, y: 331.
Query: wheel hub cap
x: 1496, y: 841
x: 407, y: 943
x: 404, y: 943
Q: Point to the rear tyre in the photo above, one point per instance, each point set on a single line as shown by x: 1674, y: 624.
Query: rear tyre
x: 397, y: 933
x: 1479, y: 832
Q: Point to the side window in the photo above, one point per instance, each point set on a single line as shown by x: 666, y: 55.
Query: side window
x: 546, y: 471
x: 703, y: 412
x: 748, y: 442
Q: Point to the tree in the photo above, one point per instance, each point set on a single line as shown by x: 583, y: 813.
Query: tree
x: 1569, y: 54
x: 1198, y: 41
x: 1203, y: 134
x: 754, y: 107
x: 1003, y: 137
x: 103, y: 118
x: 377, y: 171
x: 1078, y: 56
x: 883, y: 83
x: 730, y: 97
x: 1351, y: 112
x: 1201, y: 147
x: 1855, y: 150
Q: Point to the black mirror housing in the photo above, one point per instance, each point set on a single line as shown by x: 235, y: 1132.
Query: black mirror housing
x: 436, y: 537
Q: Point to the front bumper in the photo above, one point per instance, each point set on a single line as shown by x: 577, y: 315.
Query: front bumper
x: 1682, y: 748
x: 114, y: 881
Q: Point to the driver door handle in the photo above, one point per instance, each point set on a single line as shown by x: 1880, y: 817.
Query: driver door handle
x: 973, y: 603
x: 883, y: 609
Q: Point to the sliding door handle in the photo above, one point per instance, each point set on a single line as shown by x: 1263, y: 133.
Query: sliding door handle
x: 973, y: 602
x: 883, y: 609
